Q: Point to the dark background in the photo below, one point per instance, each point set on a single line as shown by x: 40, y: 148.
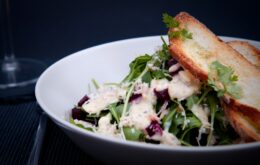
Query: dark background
x: 51, y: 29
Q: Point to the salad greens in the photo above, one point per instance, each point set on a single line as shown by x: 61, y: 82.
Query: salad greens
x: 198, y: 119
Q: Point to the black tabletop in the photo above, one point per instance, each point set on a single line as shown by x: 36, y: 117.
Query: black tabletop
x: 48, y: 30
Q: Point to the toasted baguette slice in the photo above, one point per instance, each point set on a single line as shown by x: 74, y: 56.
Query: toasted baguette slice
x: 198, y: 53
x: 251, y: 53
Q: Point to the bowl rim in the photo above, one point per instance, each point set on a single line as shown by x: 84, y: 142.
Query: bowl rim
x: 67, y: 125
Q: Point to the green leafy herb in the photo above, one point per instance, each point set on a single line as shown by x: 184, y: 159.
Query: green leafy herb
x: 169, y: 21
x: 222, y: 79
x: 112, y: 109
x: 172, y: 23
x: 180, y: 34
x: 167, y: 120
x: 136, y: 67
x: 158, y: 74
x: 194, y: 122
x: 147, y: 78
x: 191, y: 101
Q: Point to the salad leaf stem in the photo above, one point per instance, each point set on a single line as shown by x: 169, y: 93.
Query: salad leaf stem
x: 183, y: 113
x: 112, y: 109
x: 95, y: 83
x: 213, y: 108
x: 185, y: 143
x: 168, y: 120
x: 204, y: 95
x: 131, y: 89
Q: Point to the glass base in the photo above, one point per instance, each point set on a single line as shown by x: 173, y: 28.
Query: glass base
x: 20, y: 73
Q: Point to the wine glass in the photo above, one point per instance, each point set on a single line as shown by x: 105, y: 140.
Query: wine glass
x: 15, y: 72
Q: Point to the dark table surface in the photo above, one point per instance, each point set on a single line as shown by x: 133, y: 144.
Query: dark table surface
x: 48, y: 30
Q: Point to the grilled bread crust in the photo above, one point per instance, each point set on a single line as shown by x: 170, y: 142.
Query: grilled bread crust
x: 198, y: 53
x: 251, y: 53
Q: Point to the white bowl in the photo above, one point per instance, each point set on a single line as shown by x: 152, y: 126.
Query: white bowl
x: 61, y: 86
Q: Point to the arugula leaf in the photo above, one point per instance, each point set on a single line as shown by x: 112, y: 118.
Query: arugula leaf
x: 147, y: 77
x: 164, y: 53
x: 194, y: 122
x: 167, y: 120
x: 222, y: 79
x: 158, y: 74
x: 191, y: 101
x: 116, y: 111
x: 136, y: 67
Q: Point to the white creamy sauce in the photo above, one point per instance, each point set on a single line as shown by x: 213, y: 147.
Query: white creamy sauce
x: 183, y: 85
x: 83, y: 123
x: 159, y: 85
x: 174, y: 67
x: 106, y: 128
x: 202, y: 114
x: 169, y: 139
x: 105, y: 95
x: 140, y: 115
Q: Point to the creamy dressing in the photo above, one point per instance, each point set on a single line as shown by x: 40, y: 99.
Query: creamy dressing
x: 202, y: 114
x: 83, y: 123
x: 159, y: 85
x: 105, y: 95
x: 174, y: 67
x: 183, y: 85
x: 140, y: 115
x: 141, y: 112
x: 169, y: 139
x: 106, y: 128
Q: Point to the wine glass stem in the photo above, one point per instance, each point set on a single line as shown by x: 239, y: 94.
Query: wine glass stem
x: 9, y: 63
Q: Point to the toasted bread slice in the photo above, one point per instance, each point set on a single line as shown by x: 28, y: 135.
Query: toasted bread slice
x: 251, y: 53
x: 198, y: 53
x: 242, y: 124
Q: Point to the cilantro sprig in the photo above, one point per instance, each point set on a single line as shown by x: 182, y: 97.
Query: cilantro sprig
x: 172, y: 23
x: 222, y: 79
